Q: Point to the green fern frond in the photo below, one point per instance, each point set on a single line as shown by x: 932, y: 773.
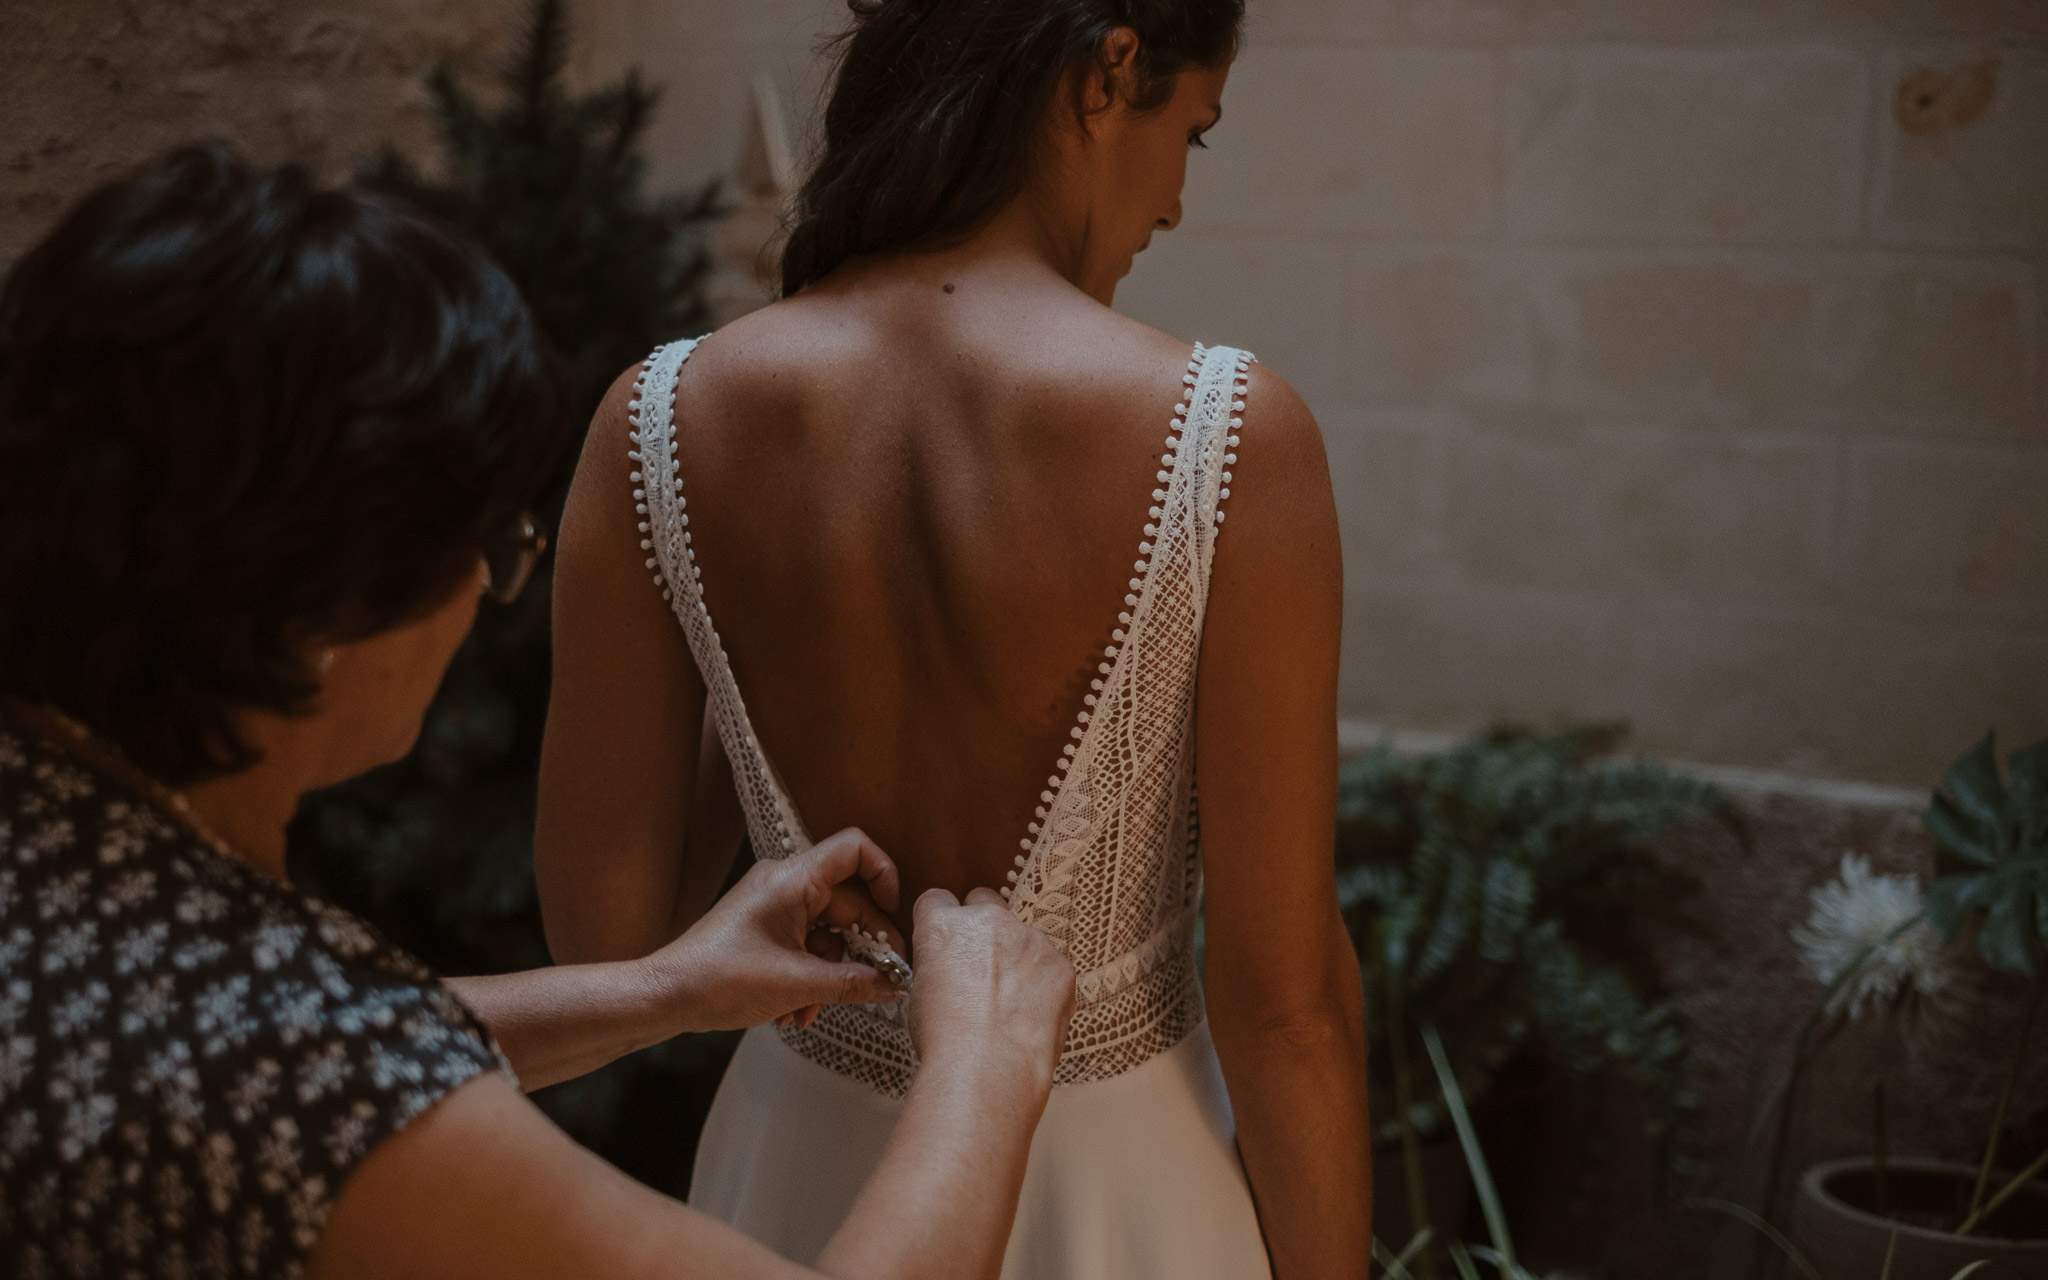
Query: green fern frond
x: 1504, y: 883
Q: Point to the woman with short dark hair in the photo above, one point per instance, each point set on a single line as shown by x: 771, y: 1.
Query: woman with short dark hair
x: 263, y: 447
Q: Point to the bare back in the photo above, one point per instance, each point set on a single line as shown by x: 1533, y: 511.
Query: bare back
x: 915, y: 516
x: 915, y: 513
x: 917, y: 494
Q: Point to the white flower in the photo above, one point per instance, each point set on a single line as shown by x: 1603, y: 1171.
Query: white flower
x: 1859, y: 913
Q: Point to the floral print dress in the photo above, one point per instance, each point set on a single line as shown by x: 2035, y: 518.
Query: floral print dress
x: 193, y: 1056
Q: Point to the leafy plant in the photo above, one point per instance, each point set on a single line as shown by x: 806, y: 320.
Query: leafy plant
x: 1998, y: 831
x: 553, y: 184
x: 1995, y: 831
x: 1494, y: 891
x: 437, y: 850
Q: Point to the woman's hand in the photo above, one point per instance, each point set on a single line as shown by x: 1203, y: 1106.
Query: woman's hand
x: 989, y: 1015
x: 766, y: 953
x: 988, y: 984
x: 482, y: 1185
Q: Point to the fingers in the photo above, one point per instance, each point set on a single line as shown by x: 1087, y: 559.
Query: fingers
x: 985, y: 898
x: 825, y: 944
x: 851, y: 905
x: 841, y: 982
x: 846, y: 854
x: 929, y: 902
x: 803, y: 1017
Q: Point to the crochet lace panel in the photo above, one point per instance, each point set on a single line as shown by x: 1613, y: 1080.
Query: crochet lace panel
x: 1110, y: 867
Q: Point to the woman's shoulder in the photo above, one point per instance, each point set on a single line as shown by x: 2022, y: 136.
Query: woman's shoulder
x: 165, y: 1008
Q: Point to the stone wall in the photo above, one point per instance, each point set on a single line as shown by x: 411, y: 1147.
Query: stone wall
x: 1669, y: 372
x: 1666, y: 375
x: 89, y: 88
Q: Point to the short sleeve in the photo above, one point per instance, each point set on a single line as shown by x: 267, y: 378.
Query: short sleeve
x: 194, y: 1058
x: 345, y: 1045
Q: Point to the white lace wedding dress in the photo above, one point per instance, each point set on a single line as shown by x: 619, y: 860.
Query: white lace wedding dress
x: 1134, y: 1173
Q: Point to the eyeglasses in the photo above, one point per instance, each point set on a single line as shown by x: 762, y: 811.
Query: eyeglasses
x: 510, y: 559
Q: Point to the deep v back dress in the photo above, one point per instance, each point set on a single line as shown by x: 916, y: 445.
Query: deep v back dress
x: 1133, y: 1172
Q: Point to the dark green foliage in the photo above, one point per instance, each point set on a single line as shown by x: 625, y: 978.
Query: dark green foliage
x: 437, y: 850
x: 552, y: 185
x: 1997, y: 830
x: 1501, y: 888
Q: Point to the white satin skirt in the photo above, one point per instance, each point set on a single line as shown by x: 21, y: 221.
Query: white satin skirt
x: 1131, y: 1178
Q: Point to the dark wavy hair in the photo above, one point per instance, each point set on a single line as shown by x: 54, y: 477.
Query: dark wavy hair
x: 937, y: 103
x: 241, y: 416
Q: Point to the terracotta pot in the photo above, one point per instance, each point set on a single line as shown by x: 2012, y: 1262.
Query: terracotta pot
x: 1833, y: 1223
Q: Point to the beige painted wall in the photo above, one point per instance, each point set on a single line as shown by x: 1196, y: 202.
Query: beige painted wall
x: 90, y: 87
x: 1664, y: 376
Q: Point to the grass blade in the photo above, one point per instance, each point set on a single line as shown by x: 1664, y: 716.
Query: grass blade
x: 1463, y: 1262
x: 1981, y: 1262
x: 1494, y: 1260
x: 1891, y: 1247
x: 1396, y: 1265
x: 1991, y: 1206
x: 1475, y: 1159
x: 1416, y: 1244
x: 1770, y: 1232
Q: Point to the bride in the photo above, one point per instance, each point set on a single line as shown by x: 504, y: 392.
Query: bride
x: 934, y: 546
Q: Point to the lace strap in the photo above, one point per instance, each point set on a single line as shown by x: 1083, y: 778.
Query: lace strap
x: 1175, y: 555
x: 1214, y: 415
x: 665, y: 535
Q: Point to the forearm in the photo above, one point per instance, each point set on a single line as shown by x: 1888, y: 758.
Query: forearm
x: 1297, y: 1087
x: 942, y: 1201
x: 556, y: 1024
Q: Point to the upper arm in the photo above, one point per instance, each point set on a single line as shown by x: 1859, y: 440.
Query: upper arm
x: 620, y: 755
x: 483, y: 1185
x: 1266, y: 731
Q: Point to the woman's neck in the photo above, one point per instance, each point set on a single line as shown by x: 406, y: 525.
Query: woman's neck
x: 1023, y: 245
x: 246, y: 812
x: 250, y: 810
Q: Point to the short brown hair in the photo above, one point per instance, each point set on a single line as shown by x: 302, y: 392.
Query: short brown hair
x: 241, y: 416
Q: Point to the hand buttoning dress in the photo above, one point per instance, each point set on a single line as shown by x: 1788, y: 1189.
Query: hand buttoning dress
x: 1134, y: 1173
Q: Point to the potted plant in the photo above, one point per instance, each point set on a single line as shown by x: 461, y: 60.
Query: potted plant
x: 1875, y: 939
x: 1493, y: 891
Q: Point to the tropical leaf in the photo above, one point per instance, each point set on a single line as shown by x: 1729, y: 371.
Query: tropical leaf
x: 1973, y: 781
x: 1960, y: 835
x: 2027, y: 774
x: 2000, y: 833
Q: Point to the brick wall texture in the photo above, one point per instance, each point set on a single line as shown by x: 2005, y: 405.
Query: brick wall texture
x: 88, y: 88
x: 1666, y: 376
